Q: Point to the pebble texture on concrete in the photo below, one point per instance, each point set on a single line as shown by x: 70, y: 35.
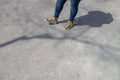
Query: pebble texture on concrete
x: 30, y: 49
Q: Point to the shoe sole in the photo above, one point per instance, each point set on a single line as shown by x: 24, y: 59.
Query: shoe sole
x: 50, y: 23
x: 68, y: 28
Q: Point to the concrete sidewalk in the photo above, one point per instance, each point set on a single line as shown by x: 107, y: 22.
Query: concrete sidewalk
x: 30, y: 49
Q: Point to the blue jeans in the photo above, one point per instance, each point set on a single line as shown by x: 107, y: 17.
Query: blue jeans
x: 73, y: 10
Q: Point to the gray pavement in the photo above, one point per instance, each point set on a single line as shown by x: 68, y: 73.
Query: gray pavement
x: 30, y: 49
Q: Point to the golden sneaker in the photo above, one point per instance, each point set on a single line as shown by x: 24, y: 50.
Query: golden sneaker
x: 68, y: 25
x: 52, y: 20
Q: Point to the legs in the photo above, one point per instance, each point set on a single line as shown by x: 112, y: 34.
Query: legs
x: 59, y: 7
x: 74, y: 9
x: 73, y: 12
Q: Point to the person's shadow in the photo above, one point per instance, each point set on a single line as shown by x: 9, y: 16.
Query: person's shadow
x: 93, y: 19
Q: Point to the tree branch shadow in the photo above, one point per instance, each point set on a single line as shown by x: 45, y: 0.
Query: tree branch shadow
x: 94, y: 19
x: 105, y: 48
x: 48, y: 36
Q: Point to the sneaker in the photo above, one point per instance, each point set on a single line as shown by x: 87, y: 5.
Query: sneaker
x: 52, y: 20
x: 68, y: 25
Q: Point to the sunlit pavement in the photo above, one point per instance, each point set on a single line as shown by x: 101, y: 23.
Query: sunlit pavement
x: 30, y: 49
